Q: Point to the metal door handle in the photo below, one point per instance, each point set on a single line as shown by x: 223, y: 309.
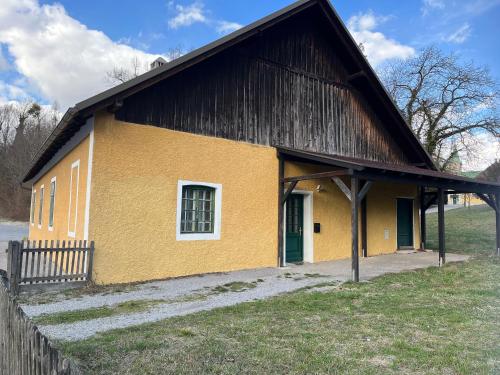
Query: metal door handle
x: 300, y: 231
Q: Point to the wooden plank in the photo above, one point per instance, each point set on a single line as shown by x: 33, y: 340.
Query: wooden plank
x: 91, y: 262
x: 61, y: 262
x: 343, y: 187
x: 364, y: 190
x: 423, y: 233
x: 78, y: 252
x: 56, y: 258
x: 66, y: 270
x: 289, y: 191
x: 364, y: 228
x: 497, y: 220
x: 317, y: 176
x: 488, y: 201
x: 354, y: 228
x: 50, y: 257
x: 441, y: 230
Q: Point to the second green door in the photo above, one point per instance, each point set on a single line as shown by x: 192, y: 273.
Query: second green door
x: 294, y: 228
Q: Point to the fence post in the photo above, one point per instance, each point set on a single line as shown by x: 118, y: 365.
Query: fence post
x: 14, y: 266
x: 91, y: 262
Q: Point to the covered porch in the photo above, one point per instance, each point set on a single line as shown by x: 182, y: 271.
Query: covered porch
x: 356, y: 177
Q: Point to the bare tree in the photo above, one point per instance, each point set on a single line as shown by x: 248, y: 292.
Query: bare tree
x: 23, y: 128
x: 123, y: 74
x: 447, y: 102
x: 137, y: 67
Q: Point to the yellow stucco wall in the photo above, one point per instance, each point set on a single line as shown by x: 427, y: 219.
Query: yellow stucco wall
x: 136, y: 169
x: 333, y: 211
x: 62, y: 172
x: 133, y: 204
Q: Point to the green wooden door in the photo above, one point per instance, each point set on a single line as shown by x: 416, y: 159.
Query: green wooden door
x: 405, y: 222
x: 294, y: 228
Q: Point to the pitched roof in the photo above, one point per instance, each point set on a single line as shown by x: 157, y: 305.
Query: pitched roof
x: 75, y: 116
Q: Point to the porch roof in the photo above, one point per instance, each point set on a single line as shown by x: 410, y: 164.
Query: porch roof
x: 378, y: 171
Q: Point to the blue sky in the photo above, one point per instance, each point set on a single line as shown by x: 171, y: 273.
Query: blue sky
x: 61, y: 51
x: 466, y: 27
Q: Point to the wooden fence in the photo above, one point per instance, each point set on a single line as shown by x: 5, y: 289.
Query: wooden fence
x: 23, y: 349
x: 32, y: 262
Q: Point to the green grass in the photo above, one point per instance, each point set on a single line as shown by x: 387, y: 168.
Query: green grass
x: 432, y: 321
x: 467, y: 230
x: 96, y: 312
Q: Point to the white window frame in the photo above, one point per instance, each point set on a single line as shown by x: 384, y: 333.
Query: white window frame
x: 217, y: 213
x: 76, y: 164
x: 33, y: 207
x: 52, y: 180
x: 41, y: 203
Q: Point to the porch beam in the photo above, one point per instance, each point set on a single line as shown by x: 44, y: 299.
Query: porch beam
x: 488, y: 201
x: 364, y: 234
x: 343, y: 187
x: 497, y: 217
x: 289, y: 191
x: 427, y: 181
x: 364, y: 190
x: 430, y: 202
x: 441, y: 227
x: 354, y: 228
x: 423, y: 233
x: 317, y: 176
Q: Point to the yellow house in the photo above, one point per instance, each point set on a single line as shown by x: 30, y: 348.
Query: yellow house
x: 269, y: 146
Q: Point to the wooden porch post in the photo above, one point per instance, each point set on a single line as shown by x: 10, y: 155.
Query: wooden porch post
x: 423, y: 233
x: 441, y: 226
x: 354, y: 228
x: 281, y: 192
x: 497, y: 216
x: 364, y: 235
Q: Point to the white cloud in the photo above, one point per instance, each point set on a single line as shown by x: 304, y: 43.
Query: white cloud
x: 226, y: 27
x: 61, y: 58
x: 460, y: 35
x: 4, y: 64
x: 376, y: 45
x: 187, y: 15
x: 430, y: 5
x: 12, y: 93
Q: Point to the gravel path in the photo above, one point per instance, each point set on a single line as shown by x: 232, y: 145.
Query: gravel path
x: 269, y: 282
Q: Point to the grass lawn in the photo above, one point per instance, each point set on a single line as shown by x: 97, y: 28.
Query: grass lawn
x: 467, y: 230
x: 433, y: 321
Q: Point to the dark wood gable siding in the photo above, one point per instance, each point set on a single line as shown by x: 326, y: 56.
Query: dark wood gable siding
x: 285, y: 87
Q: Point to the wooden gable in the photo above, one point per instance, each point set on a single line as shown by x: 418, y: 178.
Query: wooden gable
x: 287, y: 86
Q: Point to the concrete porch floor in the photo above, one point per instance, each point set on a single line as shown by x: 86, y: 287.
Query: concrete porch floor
x: 188, y: 295
x: 377, y: 265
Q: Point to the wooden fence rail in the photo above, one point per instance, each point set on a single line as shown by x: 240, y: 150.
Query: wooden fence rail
x: 32, y: 262
x: 23, y: 349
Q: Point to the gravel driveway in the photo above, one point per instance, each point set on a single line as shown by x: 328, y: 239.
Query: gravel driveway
x: 192, y: 294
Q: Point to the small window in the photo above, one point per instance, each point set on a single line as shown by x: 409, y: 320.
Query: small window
x: 52, y: 202
x: 40, y: 210
x: 33, y: 204
x: 197, y: 209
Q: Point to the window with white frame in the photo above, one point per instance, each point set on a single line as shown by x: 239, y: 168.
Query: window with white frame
x: 33, y: 204
x: 52, y: 202
x: 198, y: 210
x: 40, y: 209
x: 73, y: 198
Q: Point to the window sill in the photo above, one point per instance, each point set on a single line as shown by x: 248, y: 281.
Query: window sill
x: 198, y: 236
